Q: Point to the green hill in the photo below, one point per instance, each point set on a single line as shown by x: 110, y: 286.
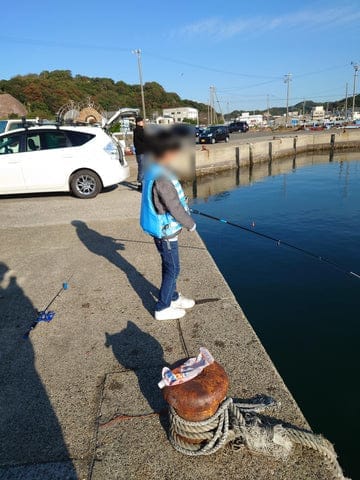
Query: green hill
x: 43, y: 94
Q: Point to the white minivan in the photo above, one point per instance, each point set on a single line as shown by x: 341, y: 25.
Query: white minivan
x: 52, y: 158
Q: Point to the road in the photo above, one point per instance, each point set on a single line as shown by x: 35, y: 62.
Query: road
x: 253, y: 136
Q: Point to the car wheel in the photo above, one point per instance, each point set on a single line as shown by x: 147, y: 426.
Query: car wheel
x: 213, y: 141
x: 226, y: 139
x: 85, y: 184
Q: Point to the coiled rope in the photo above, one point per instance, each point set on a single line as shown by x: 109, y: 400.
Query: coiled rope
x: 237, y: 423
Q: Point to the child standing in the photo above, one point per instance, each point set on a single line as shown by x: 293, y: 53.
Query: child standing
x: 164, y: 212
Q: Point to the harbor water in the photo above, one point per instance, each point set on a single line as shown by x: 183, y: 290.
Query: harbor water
x: 305, y: 312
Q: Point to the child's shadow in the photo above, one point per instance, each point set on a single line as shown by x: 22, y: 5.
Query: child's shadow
x: 139, y: 351
x: 110, y: 249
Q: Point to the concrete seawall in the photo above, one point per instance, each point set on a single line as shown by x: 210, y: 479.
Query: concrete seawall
x: 215, y: 182
x: 210, y: 158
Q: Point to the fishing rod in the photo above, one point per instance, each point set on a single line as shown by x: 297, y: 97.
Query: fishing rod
x: 279, y: 242
x: 46, y: 315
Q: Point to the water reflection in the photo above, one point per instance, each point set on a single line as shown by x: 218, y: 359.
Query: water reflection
x: 306, y: 315
x: 213, y: 184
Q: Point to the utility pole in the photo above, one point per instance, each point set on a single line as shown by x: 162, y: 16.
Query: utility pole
x: 287, y: 80
x: 346, y: 101
x: 137, y: 52
x: 304, y: 103
x: 268, y: 105
x: 219, y: 105
x: 356, y: 67
x: 210, y: 110
x: 213, y: 118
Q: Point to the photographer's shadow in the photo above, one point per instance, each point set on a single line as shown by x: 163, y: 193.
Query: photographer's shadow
x: 30, y: 432
x: 110, y: 248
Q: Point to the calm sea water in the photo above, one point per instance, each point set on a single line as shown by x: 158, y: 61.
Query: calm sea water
x: 305, y: 313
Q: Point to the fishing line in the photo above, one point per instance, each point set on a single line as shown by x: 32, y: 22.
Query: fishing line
x: 279, y: 242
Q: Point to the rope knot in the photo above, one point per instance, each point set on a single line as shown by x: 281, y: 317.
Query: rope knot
x: 238, y: 424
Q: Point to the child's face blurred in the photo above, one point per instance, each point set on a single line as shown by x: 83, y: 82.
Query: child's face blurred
x: 168, y: 157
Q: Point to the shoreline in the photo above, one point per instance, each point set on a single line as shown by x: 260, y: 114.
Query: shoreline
x: 220, y: 157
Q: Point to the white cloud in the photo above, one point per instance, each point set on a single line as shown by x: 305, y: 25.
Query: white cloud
x: 218, y: 28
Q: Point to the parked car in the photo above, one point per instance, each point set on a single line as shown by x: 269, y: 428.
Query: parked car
x: 198, y: 131
x: 53, y: 158
x: 8, y: 125
x: 238, y: 127
x: 213, y: 134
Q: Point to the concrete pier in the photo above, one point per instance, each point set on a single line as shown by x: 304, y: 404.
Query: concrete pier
x: 248, y: 151
x: 78, y: 399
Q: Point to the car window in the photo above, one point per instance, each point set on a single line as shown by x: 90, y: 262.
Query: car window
x: 33, y: 142
x: 3, y: 124
x: 79, y: 138
x: 15, y: 125
x: 10, y: 144
x: 54, y: 139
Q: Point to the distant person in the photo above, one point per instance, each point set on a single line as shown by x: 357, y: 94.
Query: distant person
x: 164, y: 212
x: 141, y: 149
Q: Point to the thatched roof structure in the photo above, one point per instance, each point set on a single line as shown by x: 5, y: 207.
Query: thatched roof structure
x: 89, y: 115
x: 10, y: 106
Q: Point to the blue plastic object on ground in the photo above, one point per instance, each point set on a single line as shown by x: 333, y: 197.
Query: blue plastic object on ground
x: 45, y: 316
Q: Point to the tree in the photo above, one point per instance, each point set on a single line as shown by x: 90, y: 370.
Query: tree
x: 46, y: 92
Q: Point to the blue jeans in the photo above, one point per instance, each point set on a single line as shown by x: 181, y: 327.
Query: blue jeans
x: 170, y: 269
x: 141, y: 161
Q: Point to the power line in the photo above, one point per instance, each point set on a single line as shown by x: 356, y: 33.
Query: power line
x: 204, y: 67
x: 56, y: 44
x: 279, y: 99
x: 72, y: 45
x: 308, y: 74
x: 279, y: 78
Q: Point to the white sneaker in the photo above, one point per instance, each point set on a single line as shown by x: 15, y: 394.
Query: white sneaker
x: 183, y: 302
x: 169, y: 313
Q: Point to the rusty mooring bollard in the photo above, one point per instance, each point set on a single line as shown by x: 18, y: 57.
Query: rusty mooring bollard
x: 199, y: 398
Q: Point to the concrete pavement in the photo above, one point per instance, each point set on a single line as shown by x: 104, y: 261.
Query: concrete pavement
x: 78, y: 399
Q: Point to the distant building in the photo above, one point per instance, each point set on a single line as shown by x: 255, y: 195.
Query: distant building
x: 179, y: 114
x: 318, y: 114
x: 251, y: 120
x: 164, y: 120
x: 9, y: 106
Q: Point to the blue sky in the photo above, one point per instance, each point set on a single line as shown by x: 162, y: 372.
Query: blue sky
x: 242, y: 47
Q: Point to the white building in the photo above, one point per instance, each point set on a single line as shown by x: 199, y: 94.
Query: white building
x: 179, y: 114
x: 318, y: 113
x: 164, y: 120
x: 251, y: 120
